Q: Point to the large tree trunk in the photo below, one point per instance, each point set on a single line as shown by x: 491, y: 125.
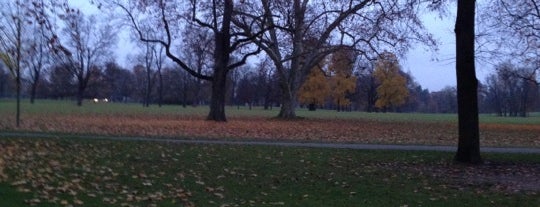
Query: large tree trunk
x: 217, y: 101
x: 221, y: 60
x: 467, y: 85
x: 288, y: 103
x: 287, y: 110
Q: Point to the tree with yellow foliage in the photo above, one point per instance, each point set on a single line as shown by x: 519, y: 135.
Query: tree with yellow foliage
x: 315, y: 89
x: 392, y: 91
x: 342, y: 81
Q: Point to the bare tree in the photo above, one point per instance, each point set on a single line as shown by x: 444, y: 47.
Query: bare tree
x: 199, y: 46
x: 443, y: 101
x: 88, y: 44
x: 512, y: 28
x: 12, y: 30
x: 159, y: 62
x: 303, y: 32
x: 508, y: 93
x: 5, y: 82
x: 61, y: 81
x: 266, y: 83
x: 214, y: 16
x: 38, y: 58
x: 153, y: 61
x: 119, y: 82
x: 150, y: 73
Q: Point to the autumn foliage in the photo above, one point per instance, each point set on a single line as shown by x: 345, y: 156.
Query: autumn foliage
x: 342, y: 82
x: 358, y: 130
x: 392, y: 91
x: 316, y: 88
x: 332, y: 79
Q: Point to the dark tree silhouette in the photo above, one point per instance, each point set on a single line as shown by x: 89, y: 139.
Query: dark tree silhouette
x: 467, y: 85
x: 87, y: 45
x: 214, y: 16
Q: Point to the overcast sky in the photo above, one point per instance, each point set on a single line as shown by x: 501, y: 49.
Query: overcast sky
x: 437, y: 70
x: 433, y: 71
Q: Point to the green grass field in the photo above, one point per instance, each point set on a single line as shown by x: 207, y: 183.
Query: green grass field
x: 62, y: 172
x: 76, y: 172
x: 43, y: 107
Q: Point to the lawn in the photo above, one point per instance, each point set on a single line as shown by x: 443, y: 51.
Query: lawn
x: 69, y: 171
x: 44, y: 107
x: 116, y: 119
x: 63, y: 172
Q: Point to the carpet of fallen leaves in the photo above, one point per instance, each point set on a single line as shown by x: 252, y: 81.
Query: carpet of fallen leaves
x: 257, y: 128
x: 65, y: 174
x: 108, y: 173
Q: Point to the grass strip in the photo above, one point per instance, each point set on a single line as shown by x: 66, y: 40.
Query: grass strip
x: 60, y: 172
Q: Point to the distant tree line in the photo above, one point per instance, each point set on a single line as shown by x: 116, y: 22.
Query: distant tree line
x: 506, y: 92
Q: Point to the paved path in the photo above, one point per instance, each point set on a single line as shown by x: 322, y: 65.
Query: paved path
x: 278, y: 143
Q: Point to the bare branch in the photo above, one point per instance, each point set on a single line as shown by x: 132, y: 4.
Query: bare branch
x: 244, y: 59
x: 166, y: 44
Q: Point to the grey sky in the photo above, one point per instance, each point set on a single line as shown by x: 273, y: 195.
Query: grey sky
x: 437, y: 70
x: 432, y: 70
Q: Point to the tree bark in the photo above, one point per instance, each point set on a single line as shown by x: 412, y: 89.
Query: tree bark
x: 18, y: 73
x: 82, y: 83
x: 221, y: 67
x: 467, y: 85
x: 34, y: 90
x: 160, y: 88
x: 288, y: 103
x: 147, y: 89
x: 312, y: 107
x: 80, y: 95
x: 217, y: 101
x: 18, y: 88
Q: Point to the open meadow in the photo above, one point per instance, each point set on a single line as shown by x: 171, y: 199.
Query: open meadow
x: 114, y: 119
x: 70, y: 171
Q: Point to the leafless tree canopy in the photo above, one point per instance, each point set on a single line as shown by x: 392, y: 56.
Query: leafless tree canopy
x: 512, y: 29
x: 85, y: 46
x: 303, y: 32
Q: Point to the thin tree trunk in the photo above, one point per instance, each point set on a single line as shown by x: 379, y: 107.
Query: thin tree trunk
x: 33, y: 92
x: 147, y: 90
x: 18, y: 73
x: 18, y: 88
x: 35, y: 84
x: 184, y: 94
x: 83, y: 81
x: 467, y: 85
x: 185, y: 91
x: 160, y: 88
x: 80, y: 94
